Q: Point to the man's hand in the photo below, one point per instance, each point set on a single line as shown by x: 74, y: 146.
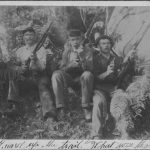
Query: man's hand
x: 74, y: 64
x: 110, y: 69
x: 33, y: 57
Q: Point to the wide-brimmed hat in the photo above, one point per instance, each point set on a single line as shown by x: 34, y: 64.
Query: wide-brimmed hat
x: 23, y: 29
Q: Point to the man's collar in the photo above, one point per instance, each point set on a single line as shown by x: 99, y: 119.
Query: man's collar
x: 107, y: 56
x: 100, y: 53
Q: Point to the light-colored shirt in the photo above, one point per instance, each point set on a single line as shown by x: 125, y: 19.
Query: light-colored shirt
x: 25, y: 52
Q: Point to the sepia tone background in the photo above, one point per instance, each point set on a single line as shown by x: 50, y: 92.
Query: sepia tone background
x: 126, y: 25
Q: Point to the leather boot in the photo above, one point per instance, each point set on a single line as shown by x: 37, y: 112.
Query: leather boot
x: 13, y: 111
x: 50, y: 115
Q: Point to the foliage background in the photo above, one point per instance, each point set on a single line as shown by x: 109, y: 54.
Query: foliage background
x: 31, y: 126
x: 65, y: 18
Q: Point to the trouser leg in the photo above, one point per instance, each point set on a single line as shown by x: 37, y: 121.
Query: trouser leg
x: 15, y: 106
x: 48, y: 107
x: 99, y: 113
x: 60, y: 82
x: 13, y: 92
x: 86, y: 88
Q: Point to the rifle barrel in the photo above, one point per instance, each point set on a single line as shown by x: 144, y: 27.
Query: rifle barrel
x: 40, y: 43
x: 114, y: 53
x: 91, y: 26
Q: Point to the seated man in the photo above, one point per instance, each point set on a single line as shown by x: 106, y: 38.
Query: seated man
x: 105, y: 66
x: 76, y: 67
x: 41, y: 80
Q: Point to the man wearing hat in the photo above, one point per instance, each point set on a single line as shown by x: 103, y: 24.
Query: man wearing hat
x: 41, y: 80
x: 75, y: 69
x: 105, y: 71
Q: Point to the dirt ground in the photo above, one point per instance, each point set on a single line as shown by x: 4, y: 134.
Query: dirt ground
x: 31, y: 126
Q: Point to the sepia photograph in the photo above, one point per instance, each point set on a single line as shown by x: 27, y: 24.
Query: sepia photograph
x: 74, y: 72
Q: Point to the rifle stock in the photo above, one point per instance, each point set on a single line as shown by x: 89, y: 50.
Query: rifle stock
x: 40, y: 43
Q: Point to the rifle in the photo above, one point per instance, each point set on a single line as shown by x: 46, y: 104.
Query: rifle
x: 53, y: 60
x: 128, y: 65
x: 114, y: 53
x: 88, y: 32
x: 40, y: 43
x: 55, y: 49
x: 12, y: 70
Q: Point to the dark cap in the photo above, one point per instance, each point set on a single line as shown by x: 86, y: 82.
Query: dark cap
x: 28, y: 29
x: 74, y: 33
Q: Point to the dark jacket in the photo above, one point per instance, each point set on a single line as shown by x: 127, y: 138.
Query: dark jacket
x: 85, y: 55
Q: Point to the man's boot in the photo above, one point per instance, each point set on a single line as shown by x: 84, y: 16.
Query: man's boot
x: 50, y: 115
x: 88, y: 114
